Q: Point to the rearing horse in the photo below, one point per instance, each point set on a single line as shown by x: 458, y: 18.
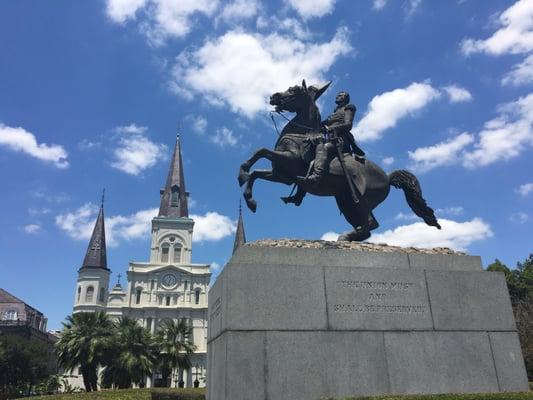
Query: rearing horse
x: 294, y: 151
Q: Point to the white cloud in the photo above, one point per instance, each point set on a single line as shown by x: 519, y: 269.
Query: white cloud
x: 444, y: 153
x: 239, y: 10
x: 405, y: 217
x: 162, y: 19
x: 32, y: 229
x: 455, y: 235
x: 273, y: 63
x: 39, y: 211
x: 379, y: 4
x: 454, y: 210
x: 504, y: 137
x: 519, y: 218
x: 136, y: 153
x: 457, y: 94
x: 521, y: 74
x: 525, y: 189
x: 224, y: 137
x: 122, y: 10
x: 20, y: 140
x: 515, y: 34
x: 330, y: 236
x: 411, y: 7
x: 385, y: 110
x: 212, y: 227
x: 291, y: 26
x: 198, y: 123
x: 87, y: 144
x: 215, y: 268
x: 388, y: 161
x: 44, y: 194
x: 131, y: 128
x: 312, y: 8
x: 79, y: 225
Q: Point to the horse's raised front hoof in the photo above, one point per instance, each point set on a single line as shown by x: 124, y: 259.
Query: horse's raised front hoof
x: 354, y: 236
x: 243, y: 177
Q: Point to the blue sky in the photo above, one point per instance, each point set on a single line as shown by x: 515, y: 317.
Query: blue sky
x: 93, y: 93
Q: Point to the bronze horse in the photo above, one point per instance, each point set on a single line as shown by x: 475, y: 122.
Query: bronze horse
x: 292, y: 156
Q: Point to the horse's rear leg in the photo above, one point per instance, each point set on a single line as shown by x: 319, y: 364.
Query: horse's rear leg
x: 271, y: 155
x: 363, y: 221
x: 265, y: 174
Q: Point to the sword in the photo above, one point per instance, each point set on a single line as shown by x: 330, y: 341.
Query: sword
x: 353, y: 190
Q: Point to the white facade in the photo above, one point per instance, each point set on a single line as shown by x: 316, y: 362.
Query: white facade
x: 168, y: 287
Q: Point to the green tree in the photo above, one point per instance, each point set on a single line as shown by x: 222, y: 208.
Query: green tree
x: 520, y: 284
x: 515, y: 292
x: 132, y: 357
x: 23, y: 364
x: 85, y: 340
x: 175, y: 344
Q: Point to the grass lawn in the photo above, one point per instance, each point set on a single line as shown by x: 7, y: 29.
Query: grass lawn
x: 199, y: 394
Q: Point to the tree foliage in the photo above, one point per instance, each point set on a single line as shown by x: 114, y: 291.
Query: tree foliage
x: 125, y: 350
x: 520, y: 284
x: 175, y: 343
x: 132, y: 357
x: 85, y: 341
x: 23, y: 364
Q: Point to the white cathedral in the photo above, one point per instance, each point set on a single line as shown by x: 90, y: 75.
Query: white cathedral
x: 168, y: 287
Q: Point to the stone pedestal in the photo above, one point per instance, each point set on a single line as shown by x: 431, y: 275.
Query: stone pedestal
x: 301, y: 323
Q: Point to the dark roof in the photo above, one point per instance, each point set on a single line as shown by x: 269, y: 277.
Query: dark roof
x: 174, y: 195
x: 240, y: 237
x: 96, y: 256
x: 6, y: 297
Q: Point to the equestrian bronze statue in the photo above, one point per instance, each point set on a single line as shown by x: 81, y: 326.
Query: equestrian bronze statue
x: 306, y: 143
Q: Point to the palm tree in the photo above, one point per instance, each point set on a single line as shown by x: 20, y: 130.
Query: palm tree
x: 175, y: 344
x: 133, y: 355
x: 84, y: 341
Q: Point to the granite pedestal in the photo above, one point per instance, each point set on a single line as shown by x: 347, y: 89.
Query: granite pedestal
x: 302, y: 323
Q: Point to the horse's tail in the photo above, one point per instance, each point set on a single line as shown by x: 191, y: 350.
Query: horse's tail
x: 406, y: 181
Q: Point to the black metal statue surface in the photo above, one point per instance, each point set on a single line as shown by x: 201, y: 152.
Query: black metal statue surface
x: 322, y: 158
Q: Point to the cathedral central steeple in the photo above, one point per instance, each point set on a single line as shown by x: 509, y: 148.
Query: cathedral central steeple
x: 174, y: 196
x: 96, y: 256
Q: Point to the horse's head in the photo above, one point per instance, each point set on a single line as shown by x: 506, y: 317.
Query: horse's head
x: 297, y: 98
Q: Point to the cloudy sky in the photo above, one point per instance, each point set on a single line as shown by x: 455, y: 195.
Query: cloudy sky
x: 93, y: 93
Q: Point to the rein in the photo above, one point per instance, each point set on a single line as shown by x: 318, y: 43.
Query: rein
x: 289, y: 121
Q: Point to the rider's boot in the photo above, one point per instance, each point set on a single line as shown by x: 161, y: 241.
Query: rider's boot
x: 320, y: 168
x: 296, y: 199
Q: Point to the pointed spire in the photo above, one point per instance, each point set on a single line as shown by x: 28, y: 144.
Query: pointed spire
x: 174, y: 195
x: 240, y: 237
x: 96, y: 256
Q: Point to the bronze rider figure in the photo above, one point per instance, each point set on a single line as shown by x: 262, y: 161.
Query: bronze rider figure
x: 336, y: 127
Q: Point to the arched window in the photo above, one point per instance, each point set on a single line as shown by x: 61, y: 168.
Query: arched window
x: 197, y: 296
x: 10, y: 315
x: 164, y: 252
x: 167, y: 300
x: 101, y: 295
x: 177, y: 254
x: 138, y: 293
x: 89, y: 294
x: 79, y: 293
x: 185, y: 285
